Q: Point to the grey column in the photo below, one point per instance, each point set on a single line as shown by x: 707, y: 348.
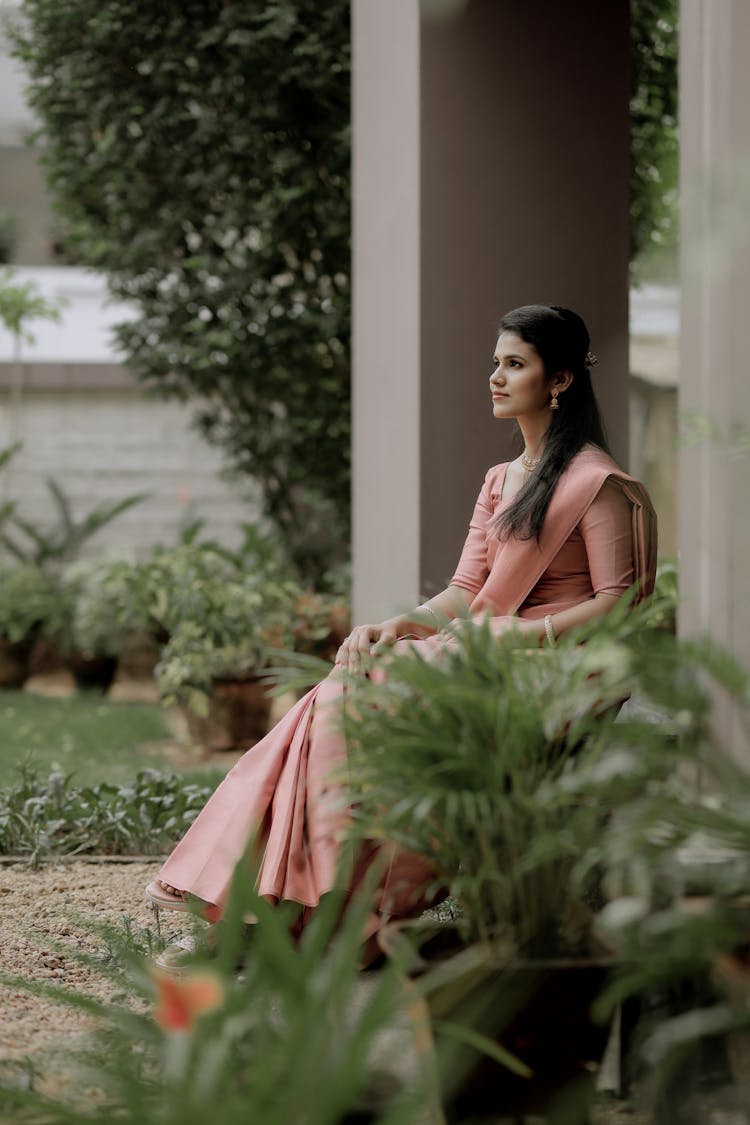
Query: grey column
x: 714, y: 511
x: 387, y: 317
x: 490, y: 171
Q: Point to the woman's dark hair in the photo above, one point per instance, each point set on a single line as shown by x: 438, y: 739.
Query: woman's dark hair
x: 562, y: 341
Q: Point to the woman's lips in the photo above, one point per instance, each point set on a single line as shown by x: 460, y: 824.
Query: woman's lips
x: 499, y: 394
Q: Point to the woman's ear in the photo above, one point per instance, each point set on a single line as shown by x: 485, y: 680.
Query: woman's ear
x: 562, y: 380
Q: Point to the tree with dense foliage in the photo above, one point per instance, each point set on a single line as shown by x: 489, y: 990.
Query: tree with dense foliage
x: 198, y: 154
x: 654, y: 137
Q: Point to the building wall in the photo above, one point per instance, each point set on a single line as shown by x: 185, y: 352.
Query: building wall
x: 84, y: 420
x: 101, y: 445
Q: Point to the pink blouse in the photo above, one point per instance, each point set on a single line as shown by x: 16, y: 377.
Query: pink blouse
x: 596, y: 558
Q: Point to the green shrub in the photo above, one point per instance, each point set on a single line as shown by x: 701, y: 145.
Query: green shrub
x: 50, y: 546
x: 98, y: 605
x: 50, y: 816
x: 29, y: 602
x: 221, y: 622
x: 654, y: 155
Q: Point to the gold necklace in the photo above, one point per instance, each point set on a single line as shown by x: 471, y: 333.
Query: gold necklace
x: 530, y: 463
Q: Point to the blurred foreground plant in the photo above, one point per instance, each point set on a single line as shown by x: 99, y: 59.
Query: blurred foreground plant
x: 678, y: 863
x: 298, y: 1035
x: 477, y: 758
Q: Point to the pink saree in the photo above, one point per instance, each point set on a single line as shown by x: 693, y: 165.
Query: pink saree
x: 280, y: 793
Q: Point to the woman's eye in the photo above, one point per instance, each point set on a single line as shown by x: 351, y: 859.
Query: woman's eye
x: 515, y: 363
x: 496, y: 363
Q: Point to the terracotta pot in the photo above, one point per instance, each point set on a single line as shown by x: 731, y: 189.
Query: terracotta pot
x: 139, y: 656
x: 238, y: 716
x: 46, y: 657
x: 14, y: 663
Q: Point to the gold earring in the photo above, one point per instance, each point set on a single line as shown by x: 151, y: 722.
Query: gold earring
x: 554, y: 405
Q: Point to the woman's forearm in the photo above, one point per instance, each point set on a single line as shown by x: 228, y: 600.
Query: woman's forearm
x: 429, y: 617
x: 567, y: 619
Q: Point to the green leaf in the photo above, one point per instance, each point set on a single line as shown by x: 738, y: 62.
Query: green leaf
x: 482, y: 1043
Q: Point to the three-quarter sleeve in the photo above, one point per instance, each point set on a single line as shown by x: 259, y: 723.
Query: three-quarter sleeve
x: 472, y: 570
x: 608, y: 535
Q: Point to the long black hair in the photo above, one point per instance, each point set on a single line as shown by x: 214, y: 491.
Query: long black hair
x: 562, y: 341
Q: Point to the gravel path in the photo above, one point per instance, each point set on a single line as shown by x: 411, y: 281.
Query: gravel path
x: 57, y: 906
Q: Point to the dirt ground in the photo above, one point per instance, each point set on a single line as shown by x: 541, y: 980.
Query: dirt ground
x: 45, y: 917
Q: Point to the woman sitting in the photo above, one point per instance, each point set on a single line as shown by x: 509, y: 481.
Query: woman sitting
x: 557, y: 537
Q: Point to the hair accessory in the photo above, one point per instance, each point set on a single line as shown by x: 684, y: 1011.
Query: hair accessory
x: 549, y: 630
x: 590, y: 360
x: 554, y: 405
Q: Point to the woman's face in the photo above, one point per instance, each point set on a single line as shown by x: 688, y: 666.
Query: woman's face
x: 518, y: 383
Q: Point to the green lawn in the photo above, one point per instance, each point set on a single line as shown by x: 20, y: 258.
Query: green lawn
x: 84, y: 735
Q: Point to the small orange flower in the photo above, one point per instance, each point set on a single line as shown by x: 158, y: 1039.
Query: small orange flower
x: 180, y: 1000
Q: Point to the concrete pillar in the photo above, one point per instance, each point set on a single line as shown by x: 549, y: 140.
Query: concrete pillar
x: 386, y: 314
x: 714, y: 499
x: 491, y: 155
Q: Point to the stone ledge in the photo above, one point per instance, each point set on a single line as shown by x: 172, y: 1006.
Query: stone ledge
x: 71, y: 377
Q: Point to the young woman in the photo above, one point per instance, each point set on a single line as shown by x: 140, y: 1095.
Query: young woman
x: 557, y: 536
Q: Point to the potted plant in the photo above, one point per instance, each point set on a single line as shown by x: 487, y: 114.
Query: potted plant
x: 96, y: 618
x: 128, y: 585
x: 474, y: 759
x: 320, y: 623
x: 28, y: 604
x: 224, y: 628
x: 59, y: 543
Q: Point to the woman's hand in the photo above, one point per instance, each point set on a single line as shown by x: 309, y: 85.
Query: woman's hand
x: 364, y: 642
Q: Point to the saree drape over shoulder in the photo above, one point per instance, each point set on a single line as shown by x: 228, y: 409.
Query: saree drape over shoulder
x: 599, y: 534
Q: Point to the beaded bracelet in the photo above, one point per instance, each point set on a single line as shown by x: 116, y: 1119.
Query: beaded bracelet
x: 549, y: 630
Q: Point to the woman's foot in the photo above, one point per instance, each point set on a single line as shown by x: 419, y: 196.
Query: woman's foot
x: 170, y: 890
x: 165, y: 895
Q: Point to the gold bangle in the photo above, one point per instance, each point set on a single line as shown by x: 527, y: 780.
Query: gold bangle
x: 549, y: 630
